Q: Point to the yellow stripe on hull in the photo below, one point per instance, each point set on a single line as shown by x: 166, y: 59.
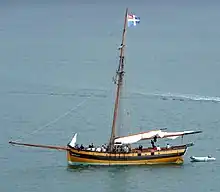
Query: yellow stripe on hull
x: 73, y: 160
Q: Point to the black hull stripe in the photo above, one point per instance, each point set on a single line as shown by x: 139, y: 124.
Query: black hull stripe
x: 124, y: 157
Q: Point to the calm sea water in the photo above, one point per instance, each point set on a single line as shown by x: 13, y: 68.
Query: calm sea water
x: 55, y: 55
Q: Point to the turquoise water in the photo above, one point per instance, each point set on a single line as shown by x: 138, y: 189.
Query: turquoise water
x: 55, y: 55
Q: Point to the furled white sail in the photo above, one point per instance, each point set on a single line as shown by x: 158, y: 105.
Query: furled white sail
x: 129, y: 139
x: 151, y: 134
x: 174, y: 135
x: 136, y: 137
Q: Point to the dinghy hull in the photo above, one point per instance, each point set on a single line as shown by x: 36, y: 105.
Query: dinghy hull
x: 201, y: 159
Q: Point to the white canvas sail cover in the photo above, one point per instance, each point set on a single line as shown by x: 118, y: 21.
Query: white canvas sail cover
x: 174, y: 135
x: 150, y: 135
x: 136, y: 137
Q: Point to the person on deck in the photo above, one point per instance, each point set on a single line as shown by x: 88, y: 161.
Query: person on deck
x: 140, y: 147
x: 81, y: 147
x: 168, y: 146
x: 91, y: 145
x: 152, y: 143
x: 158, y: 148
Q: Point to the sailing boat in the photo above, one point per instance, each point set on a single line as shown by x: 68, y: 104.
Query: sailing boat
x: 119, y: 150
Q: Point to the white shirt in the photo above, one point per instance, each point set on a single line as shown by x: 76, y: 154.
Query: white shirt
x: 158, y: 148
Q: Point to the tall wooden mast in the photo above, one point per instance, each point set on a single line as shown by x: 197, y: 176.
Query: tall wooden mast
x: 119, y: 82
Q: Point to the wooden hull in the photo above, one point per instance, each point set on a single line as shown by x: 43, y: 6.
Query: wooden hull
x: 79, y: 157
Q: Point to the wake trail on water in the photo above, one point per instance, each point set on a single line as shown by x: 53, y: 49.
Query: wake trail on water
x: 103, y: 93
x: 180, y: 97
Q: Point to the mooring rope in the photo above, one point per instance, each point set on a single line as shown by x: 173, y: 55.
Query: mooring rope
x: 54, y: 120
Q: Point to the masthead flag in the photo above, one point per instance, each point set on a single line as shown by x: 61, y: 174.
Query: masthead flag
x: 133, y: 20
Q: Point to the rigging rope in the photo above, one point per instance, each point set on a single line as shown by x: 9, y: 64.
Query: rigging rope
x: 54, y: 120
